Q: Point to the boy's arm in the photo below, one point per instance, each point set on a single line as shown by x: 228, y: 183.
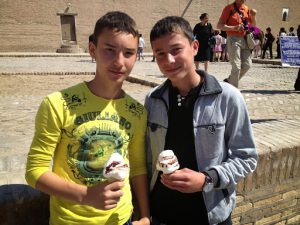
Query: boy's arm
x: 141, y: 193
x: 240, y: 142
x: 38, y: 175
x: 102, y: 196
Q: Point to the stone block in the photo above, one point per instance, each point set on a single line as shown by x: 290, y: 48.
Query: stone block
x: 282, y: 206
x: 17, y: 162
x: 18, y: 178
x: 291, y: 194
x: 242, y: 209
x: 4, y: 164
x: 239, y: 199
x: 20, y: 204
x: 268, y: 201
x: 3, y: 179
x: 295, y: 220
x: 269, y: 220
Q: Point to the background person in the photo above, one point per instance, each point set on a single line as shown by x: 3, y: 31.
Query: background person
x: 297, y: 82
x: 281, y: 33
x: 203, y: 31
x: 224, y: 54
x: 212, y: 140
x: 81, y: 126
x: 141, y: 47
x: 234, y: 20
x: 291, y: 32
x: 218, y: 45
x: 257, y: 48
x: 269, y: 39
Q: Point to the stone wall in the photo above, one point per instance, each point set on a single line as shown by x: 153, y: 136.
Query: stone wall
x: 271, y: 195
x: 33, y: 26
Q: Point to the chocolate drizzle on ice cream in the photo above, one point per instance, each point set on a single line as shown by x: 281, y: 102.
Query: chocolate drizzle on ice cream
x: 167, y: 162
x: 116, y: 167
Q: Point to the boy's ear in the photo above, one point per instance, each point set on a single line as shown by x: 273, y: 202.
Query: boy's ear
x: 195, y: 46
x: 92, y: 50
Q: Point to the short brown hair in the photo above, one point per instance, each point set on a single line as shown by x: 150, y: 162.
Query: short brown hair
x: 115, y: 20
x: 171, y: 24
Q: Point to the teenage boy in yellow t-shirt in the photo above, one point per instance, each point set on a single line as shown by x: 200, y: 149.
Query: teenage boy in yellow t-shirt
x: 81, y: 126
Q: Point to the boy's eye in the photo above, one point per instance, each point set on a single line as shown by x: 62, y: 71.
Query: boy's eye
x: 175, y: 51
x: 129, y: 53
x: 159, y: 54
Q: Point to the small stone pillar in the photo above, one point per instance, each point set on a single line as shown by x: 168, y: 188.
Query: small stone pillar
x: 68, y: 31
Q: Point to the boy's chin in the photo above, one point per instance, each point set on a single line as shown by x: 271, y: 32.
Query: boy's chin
x: 175, y: 76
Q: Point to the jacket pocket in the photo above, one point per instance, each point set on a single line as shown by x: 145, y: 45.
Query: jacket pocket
x: 156, y: 134
x: 210, y: 138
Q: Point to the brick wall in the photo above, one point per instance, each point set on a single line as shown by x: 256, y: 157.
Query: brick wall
x: 34, y: 26
x: 271, y: 195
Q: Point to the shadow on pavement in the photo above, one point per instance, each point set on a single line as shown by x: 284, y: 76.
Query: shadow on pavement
x: 86, y: 60
x: 262, y: 120
x: 268, y: 92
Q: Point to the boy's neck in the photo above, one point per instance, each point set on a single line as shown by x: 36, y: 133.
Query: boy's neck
x: 187, y: 83
x: 104, y: 90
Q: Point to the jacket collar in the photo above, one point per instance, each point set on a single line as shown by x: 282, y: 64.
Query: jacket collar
x: 210, y: 86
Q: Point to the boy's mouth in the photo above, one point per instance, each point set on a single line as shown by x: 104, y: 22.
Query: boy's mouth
x: 172, y: 69
x: 117, y: 72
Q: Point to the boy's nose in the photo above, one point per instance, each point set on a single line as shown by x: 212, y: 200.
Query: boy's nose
x: 170, y: 58
x: 119, y: 59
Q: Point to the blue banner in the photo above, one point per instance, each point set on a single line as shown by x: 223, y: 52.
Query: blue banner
x: 290, y: 51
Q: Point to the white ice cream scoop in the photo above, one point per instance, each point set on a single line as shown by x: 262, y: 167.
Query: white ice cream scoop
x: 167, y: 162
x: 116, y: 167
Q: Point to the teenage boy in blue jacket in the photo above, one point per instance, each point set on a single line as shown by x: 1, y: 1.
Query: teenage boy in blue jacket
x: 205, y: 123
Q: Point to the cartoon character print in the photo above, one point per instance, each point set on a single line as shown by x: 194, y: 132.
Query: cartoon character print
x: 91, y: 148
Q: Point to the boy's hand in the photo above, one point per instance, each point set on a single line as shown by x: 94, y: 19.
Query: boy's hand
x: 104, y: 195
x: 142, y: 221
x: 184, y: 180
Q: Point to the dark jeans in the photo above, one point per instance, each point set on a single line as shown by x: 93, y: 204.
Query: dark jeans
x: 265, y: 48
x: 128, y: 222
x: 228, y: 221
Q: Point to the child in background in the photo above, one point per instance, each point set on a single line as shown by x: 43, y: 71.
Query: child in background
x: 224, y: 54
x: 257, y: 48
x: 141, y: 47
x: 218, y: 45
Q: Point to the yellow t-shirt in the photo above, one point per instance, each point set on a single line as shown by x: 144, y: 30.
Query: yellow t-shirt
x: 80, y: 131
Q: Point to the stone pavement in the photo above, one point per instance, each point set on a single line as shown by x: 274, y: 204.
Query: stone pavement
x: 268, y: 91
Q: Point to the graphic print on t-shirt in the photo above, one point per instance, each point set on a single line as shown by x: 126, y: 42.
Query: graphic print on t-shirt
x: 93, y: 142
